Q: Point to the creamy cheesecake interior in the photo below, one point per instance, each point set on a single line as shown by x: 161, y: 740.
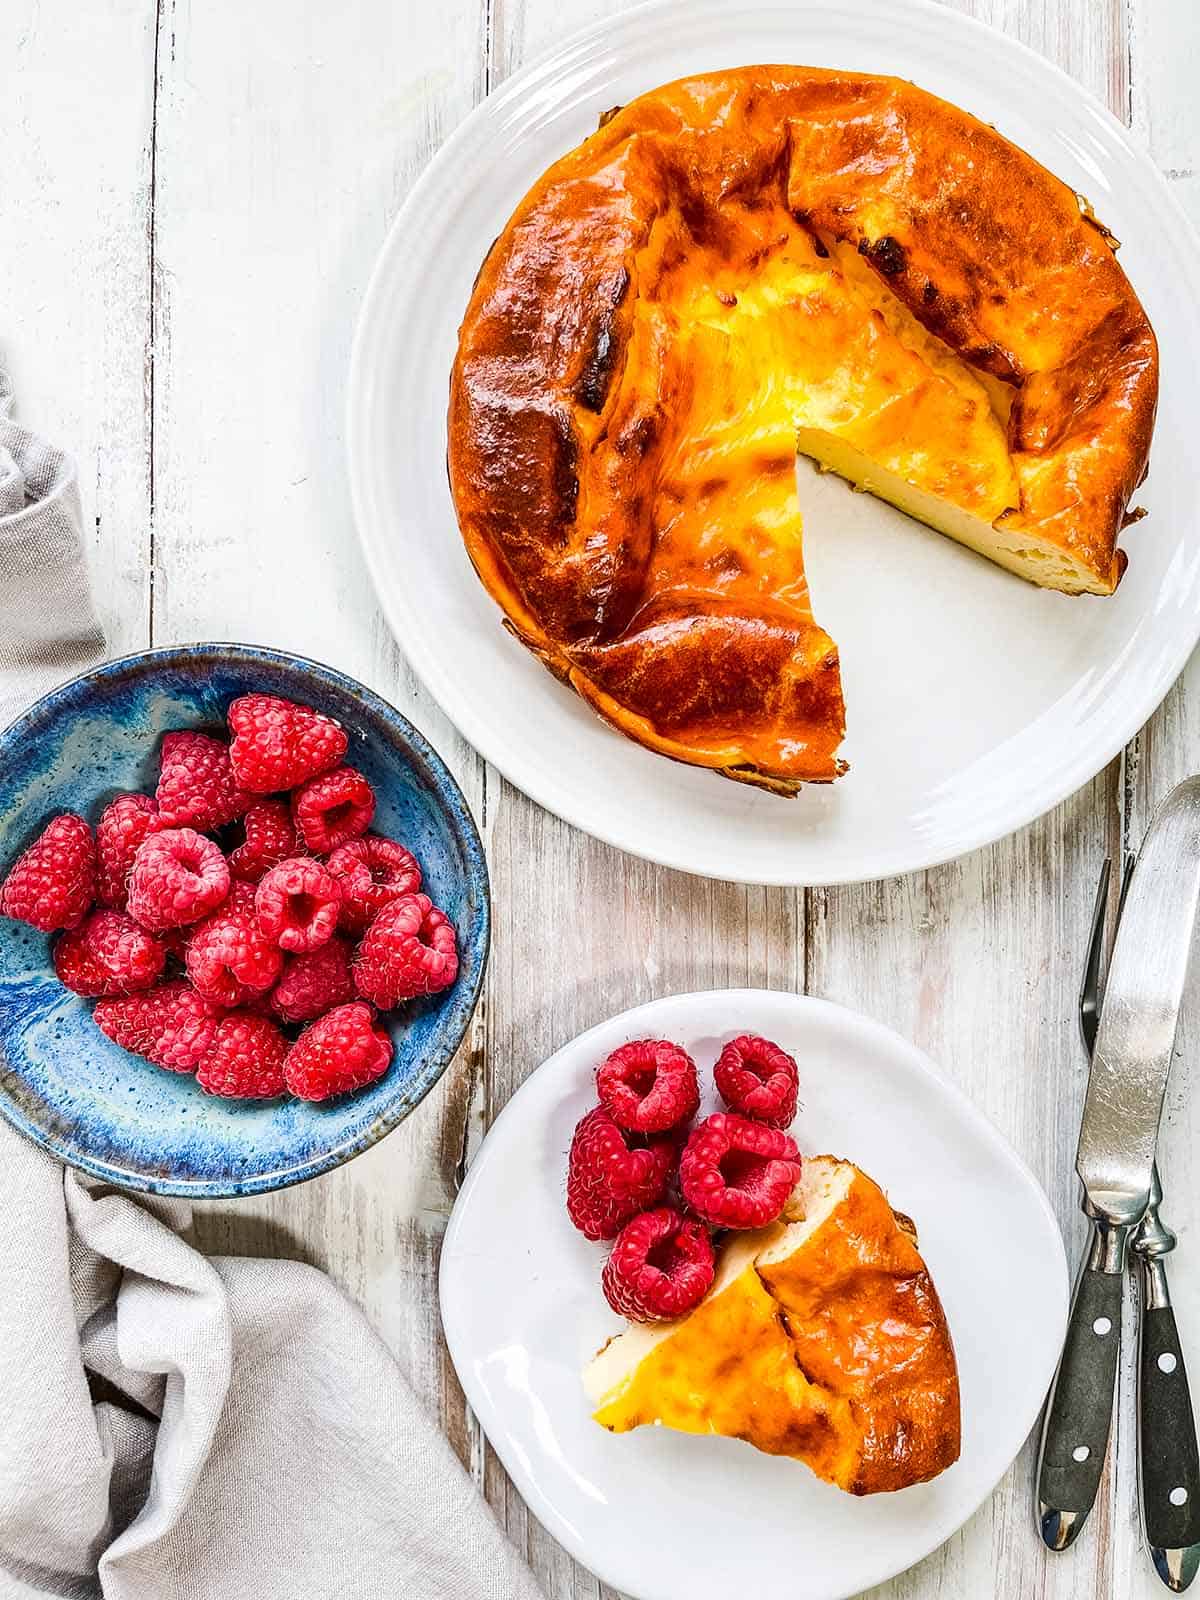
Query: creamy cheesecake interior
x: 814, y: 355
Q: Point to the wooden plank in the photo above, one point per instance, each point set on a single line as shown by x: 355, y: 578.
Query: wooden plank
x: 626, y: 932
x: 977, y: 961
x: 76, y: 98
x: 588, y: 932
x: 1164, y: 47
x: 279, y: 166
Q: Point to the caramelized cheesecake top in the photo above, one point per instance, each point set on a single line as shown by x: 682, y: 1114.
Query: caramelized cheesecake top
x: 738, y: 266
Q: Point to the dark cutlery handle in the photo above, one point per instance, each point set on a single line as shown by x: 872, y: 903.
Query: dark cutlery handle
x: 1167, y: 1434
x: 1079, y: 1411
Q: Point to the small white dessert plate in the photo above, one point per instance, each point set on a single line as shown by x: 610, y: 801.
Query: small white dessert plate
x: 974, y: 701
x: 658, y: 1514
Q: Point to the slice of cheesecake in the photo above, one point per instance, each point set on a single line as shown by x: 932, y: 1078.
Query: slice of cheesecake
x: 822, y: 1338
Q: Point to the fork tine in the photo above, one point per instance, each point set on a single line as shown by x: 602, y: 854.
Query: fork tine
x: 1089, y: 989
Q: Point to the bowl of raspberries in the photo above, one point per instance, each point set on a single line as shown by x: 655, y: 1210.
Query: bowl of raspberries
x: 663, y: 1188
x: 244, y: 919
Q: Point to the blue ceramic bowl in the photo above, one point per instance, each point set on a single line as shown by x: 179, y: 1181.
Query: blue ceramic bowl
x: 114, y: 1115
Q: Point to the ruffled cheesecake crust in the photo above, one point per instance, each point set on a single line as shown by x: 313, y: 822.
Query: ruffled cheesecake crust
x: 737, y: 264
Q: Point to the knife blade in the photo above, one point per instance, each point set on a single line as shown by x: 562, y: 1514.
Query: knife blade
x: 1131, y: 1062
x: 1142, y: 998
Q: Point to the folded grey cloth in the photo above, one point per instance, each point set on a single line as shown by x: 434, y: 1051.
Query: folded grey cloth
x: 48, y: 628
x: 174, y: 1427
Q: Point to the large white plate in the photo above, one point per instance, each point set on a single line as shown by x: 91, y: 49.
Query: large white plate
x: 975, y: 702
x: 523, y: 1312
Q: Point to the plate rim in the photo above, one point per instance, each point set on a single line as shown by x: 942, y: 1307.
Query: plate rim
x: 636, y: 1017
x: 1060, y: 784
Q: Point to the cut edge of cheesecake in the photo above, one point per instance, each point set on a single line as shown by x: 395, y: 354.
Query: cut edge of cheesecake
x: 1010, y: 541
x: 823, y: 1184
x: 607, y: 1377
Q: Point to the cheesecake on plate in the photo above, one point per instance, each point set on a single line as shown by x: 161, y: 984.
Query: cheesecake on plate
x: 744, y: 266
x: 822, y: 1338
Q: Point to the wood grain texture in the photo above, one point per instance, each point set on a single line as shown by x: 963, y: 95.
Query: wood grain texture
x: 976, y: 961
x: 1164, y: 49
x: 278, y: 170
x: 210, y: 185
x: 76, y: 120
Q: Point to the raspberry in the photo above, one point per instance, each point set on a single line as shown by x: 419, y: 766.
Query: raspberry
x: 660, y: 1267
x: 271, y: 837
x: 612, y: 1175
x: 246, y: 1059
x: 331, y: 810
x: 341, y: 1051
x: 371, y: 872
x: 172, y: 1025
x: 314, y: 983
x: 196, y: 786
x: 108, y: 954
x: 124, y: 823
x: 649, y: 1085
x: 736, y: 1173
x: 53, y: 883
x: 298, y: 904
x: 178, y: 877
x: 229, y: 959
x: 757, y: 1079
x: 278, y: 744
x: 175, y: 942
x: 408, y: 950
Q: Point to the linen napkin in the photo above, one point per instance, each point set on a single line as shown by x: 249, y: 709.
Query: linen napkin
x: 175, y: 1427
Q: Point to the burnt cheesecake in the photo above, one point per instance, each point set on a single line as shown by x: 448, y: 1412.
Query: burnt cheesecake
x: 744, y: 266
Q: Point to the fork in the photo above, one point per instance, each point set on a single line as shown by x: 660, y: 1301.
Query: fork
x: 1169, y: 1473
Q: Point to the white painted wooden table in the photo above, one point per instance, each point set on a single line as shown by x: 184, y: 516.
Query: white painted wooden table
x: 192, y: 196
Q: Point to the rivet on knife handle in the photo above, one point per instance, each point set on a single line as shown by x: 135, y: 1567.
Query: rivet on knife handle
x: 1167, y: 1450
x: 1079, y: 1410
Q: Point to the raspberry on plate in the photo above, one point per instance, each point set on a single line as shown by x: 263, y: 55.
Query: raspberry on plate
x: 736, y: 1173
x: 245, y: 1060
x: 178, y: 877
x: 124, y: 823
x: 278, y: 744
x: 331, y: 810
x: 314, y: 982
x: 196, y: 785
x: 613, y: 1174
x: 52, y: 885
x: 757, y: 1079
x: 661, y: 1266
x: 229, y: 958
x: 270, y: 837
x: 649, y: 1085
x: 172, y: 1025
x: 371, y: 872
x: 108, y: 954
x: 408, y: 950
x: 298, y: 904
x: 341, y: 1051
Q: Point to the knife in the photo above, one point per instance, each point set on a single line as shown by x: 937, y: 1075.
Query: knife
x: 1168, y: 1457
x: 1167, y: 1452
x: 1130, y: 1066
